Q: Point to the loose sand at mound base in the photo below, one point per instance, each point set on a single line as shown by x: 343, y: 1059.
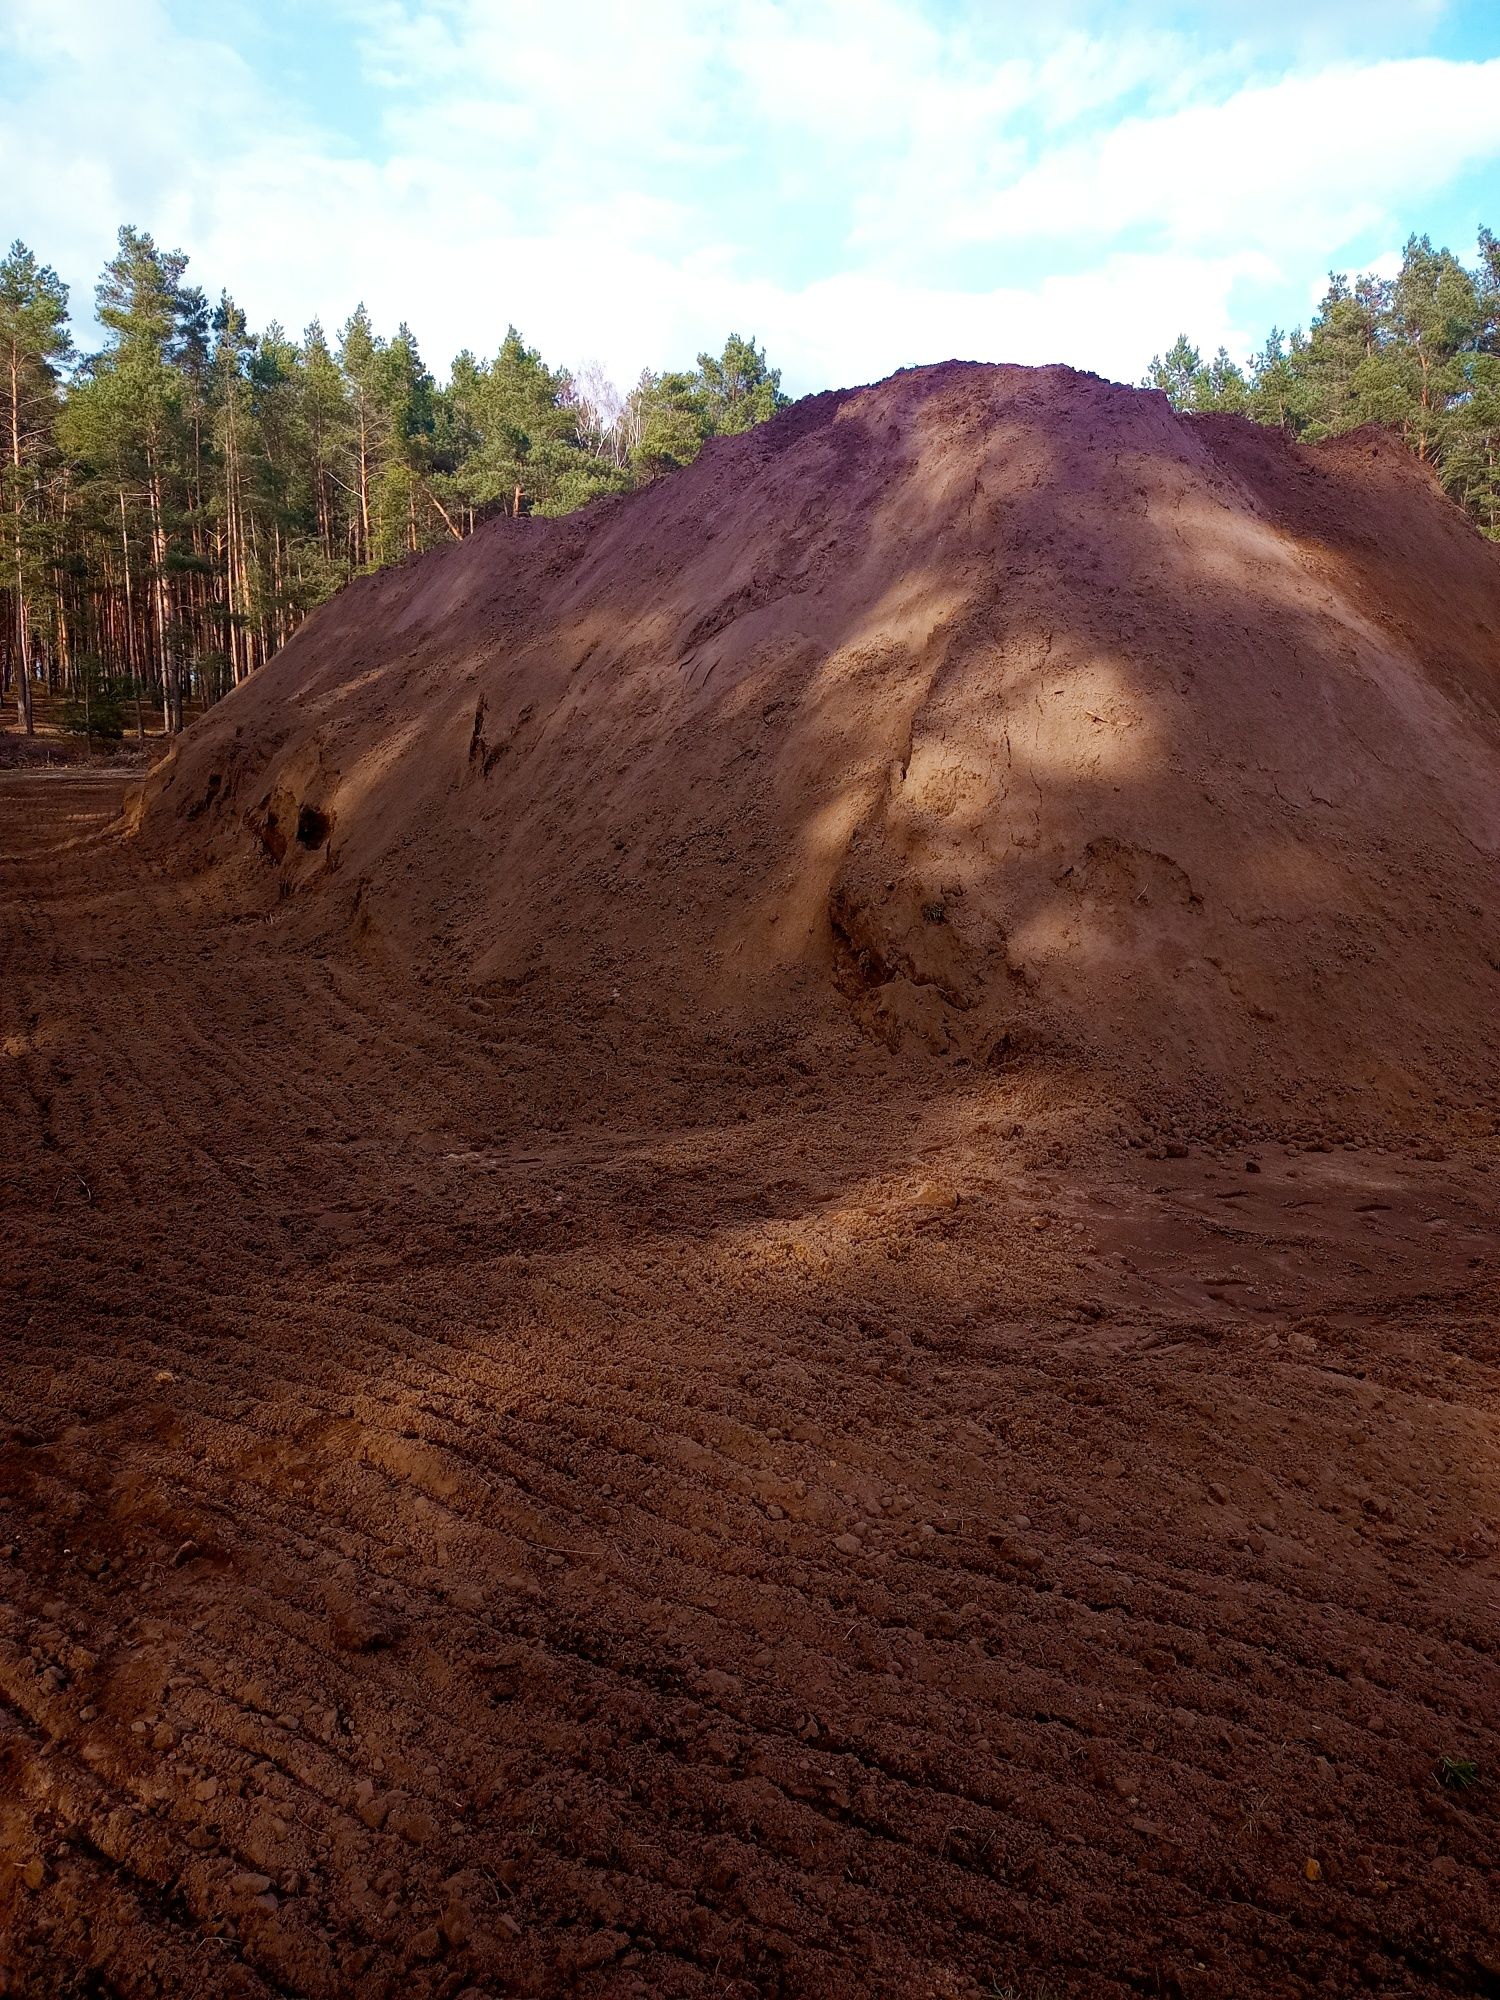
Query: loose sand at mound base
x: 751, y: 1250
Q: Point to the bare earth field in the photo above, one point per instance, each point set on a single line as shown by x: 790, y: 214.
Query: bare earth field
x: 697, y: 1557
x: 751, y: 1248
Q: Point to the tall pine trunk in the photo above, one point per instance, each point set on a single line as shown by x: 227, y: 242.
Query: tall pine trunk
x: 364, y: 482
x: 169, y: 716
x: 131, y: 659
x: 23, y: 649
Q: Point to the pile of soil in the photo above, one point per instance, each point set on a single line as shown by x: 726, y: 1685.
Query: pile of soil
x: 750, y: 1251
x: 1001, y: 709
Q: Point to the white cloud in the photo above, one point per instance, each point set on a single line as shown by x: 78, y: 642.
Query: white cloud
x: 1110, y: 319
x: 834, y: 176
x: 1306, y: 161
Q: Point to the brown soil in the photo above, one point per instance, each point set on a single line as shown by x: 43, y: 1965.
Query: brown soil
x: 750, y: 1249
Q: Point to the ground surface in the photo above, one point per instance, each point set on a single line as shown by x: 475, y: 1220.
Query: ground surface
x: 862, y: 1536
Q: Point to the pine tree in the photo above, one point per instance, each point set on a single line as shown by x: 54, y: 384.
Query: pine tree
x: 739, y: 390
x: 125, y: 420
x: 1339, y: 385
x: 1276, y: 394
x: 1435, y: 316
x: 328, y: 425
x: 1176, y: 373
x: 34, y: 346
x: 1222, y: 385
x: 359, y: 357
x: 529, y: 456
x: 668, y: 421
x: 457, y: 435
x: 1472, y: 460
x: 403, y: 504
x: 235, y: 448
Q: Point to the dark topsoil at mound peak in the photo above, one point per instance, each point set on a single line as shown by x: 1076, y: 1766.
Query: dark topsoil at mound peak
x: 999, y: 711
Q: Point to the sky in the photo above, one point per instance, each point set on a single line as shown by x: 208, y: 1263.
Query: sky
x: 858, y: 184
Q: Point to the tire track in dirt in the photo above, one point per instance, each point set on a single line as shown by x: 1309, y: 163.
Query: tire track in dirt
x: 624, y: 1596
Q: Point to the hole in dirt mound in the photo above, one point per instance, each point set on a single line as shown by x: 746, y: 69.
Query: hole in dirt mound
x: 313, y: 827
x: 210, y: 793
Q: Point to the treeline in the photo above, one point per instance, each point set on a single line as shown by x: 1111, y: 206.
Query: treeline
x: 1419, y: 352
x: 174, y: 504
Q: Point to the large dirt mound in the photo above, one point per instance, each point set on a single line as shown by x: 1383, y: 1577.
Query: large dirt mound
x: 590, y: 1403
x: 1001, y: 710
